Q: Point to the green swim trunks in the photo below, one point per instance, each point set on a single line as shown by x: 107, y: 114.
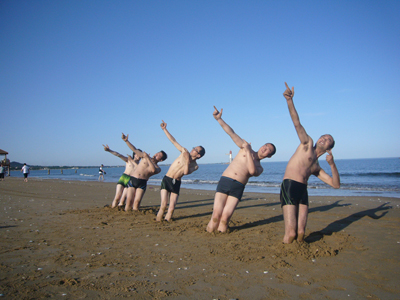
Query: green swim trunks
x: 124, y: 180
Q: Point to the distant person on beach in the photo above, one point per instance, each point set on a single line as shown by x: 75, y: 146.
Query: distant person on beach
x: 170, y: 186
x: 25, y: 169
x: 125, y: 180
x: 303, y: 164
x: 234, y: 179
x: 2, y: 171
x: 146, y: 168
x: 101, y: 173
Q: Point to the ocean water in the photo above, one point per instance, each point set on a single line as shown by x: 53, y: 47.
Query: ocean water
x: 359, y: 177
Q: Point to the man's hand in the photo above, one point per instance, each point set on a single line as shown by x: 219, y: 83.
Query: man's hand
x: 329, y: 157
x: 289, y: 93
x: 106, y: 148
x: 217, y: 115
x: 163, y: 125
x: 125, y: 137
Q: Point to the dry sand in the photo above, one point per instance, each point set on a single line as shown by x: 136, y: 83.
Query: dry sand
x: 60, y: 239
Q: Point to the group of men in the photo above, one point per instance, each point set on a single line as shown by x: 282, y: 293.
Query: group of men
x: 247, y: 163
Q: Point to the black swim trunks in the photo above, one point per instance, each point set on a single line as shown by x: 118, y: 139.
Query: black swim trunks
x: 230, y: 187
x: 293, y: 193
x: 138, y: 183
x: 171, y: 185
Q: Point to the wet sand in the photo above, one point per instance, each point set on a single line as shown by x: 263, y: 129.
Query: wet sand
x: 61, y: 239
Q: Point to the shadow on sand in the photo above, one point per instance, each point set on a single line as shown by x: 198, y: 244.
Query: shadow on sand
x: 339, y: 225
x: 280, y: 217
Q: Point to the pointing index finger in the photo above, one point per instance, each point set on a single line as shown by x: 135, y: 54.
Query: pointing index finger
x: 287, y: 86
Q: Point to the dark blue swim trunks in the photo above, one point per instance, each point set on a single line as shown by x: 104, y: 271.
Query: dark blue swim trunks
x: 230, y: 187
x: 138, y: 183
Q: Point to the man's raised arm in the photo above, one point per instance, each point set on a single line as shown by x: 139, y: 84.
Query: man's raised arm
x: 124, y: 158
x: 170, y: 137
x: 237, y: 139
x: 133, y: 148
x: 301, y: 132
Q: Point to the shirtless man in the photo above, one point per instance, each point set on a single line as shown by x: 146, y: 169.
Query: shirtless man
x: 231, y: 185
x: 145, y: 169
x: 185, y: 164
x: 303, y: 164
x: 124, y: 180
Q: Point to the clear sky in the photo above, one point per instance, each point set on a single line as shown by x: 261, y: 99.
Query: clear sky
x: 75, y: 74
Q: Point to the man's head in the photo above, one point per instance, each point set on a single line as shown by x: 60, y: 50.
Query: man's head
x: 266, y: 150
x: 160, y: 156
x: 198, y: 152
x: 325, y: 142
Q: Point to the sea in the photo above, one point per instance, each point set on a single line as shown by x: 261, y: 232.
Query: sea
x: 378, y: 177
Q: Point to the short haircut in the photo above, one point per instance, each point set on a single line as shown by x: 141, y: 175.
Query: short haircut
x: 202, y: 151
x: 164, y: 155
x: 273, y: 152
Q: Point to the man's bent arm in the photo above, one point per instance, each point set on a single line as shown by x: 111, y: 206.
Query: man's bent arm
x: 170, y: 137
x: 251, y: 167
x: 301, y: 132
x: 186, y: 161
x: 152, y: 166
x: 237, y: 139
x: 333, y: 181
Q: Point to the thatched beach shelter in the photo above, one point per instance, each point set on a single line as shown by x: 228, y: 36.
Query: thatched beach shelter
x: 5, y: 161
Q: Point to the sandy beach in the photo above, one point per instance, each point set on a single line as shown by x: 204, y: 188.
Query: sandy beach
x: 61, y: 239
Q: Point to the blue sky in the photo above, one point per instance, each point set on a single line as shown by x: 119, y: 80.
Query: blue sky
x: 75, y: 74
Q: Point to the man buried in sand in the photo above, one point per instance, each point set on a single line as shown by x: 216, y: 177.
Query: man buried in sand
x: 125, y: 180
x: 146, y: 168
x: 246, y: 164
x: 303, y: 164
x: 185, y: 164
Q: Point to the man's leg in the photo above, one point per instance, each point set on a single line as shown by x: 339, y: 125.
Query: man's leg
x: 138, y: 198
x: 290, y: 218
x: 118, y: 193
x: 302, y: 222
x: 124, y: 195
x: 219, y: 203
x: 129, y: 198
x: 173, y: 199
x: 227, y: 213
x: 164, y: 201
